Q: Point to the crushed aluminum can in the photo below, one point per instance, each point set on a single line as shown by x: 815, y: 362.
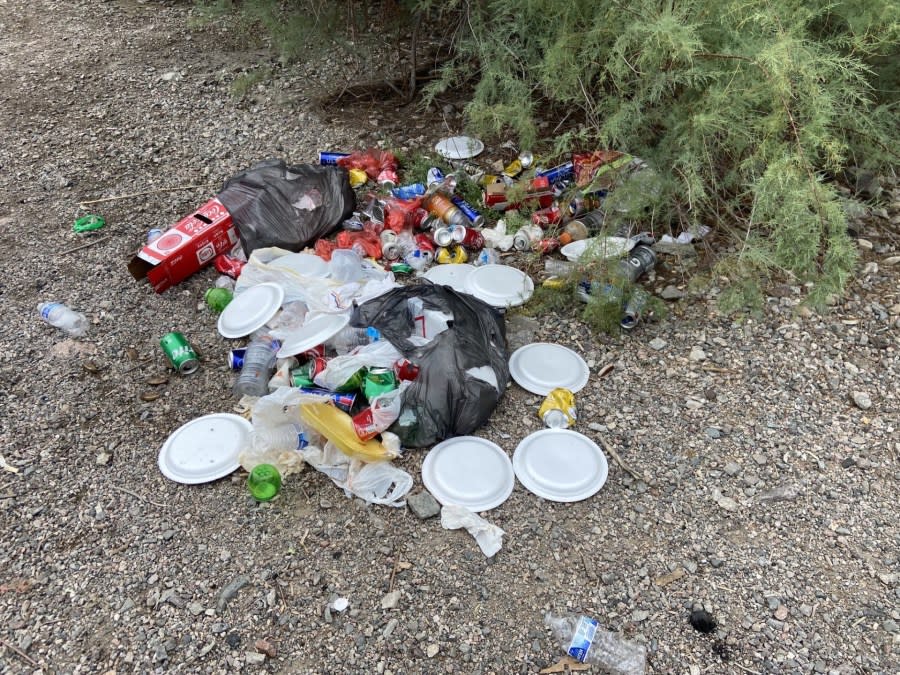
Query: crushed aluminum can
x: 558, y: 409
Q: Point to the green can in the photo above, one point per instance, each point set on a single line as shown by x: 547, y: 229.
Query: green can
x: 379, y: 381
x: 180, y: 352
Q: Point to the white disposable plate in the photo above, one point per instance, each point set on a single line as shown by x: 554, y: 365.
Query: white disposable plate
x: 468, y: 471
x: 459, y: 147
x: 250, y: 310
x: 313, y: 333
x: 452, y: 274
x: 560, y: 465
x: 541, y: 367
x: 500, y: 285
x: 302, y: 263
x: 205, y: 448
x: 603, y: 247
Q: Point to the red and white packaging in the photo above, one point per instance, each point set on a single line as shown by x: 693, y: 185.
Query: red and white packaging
x: 186, y: 247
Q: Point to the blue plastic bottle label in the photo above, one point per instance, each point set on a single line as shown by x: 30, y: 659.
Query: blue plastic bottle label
x: 49, y: 307
x: 582, y: 639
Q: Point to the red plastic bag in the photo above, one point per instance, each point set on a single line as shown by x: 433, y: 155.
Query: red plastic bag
x: 403, y: 214
x: 367, y: 243
x: 374, y: 162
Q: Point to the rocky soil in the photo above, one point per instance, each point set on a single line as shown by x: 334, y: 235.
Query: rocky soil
x: 765, y: 450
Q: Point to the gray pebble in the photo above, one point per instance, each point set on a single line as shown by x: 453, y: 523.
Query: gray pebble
x: 732, y: 468
x: 423, y: 505
x: 230, y: 591
x: 862, y: 400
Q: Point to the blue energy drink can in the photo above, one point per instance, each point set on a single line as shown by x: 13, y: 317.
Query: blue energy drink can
x: 331, y: 158
x: 468, y: 210
x: 409, y: 191
x: 564, y: 171
x: 343, y: 401
x: 236, y: 358
x: 434, y: 176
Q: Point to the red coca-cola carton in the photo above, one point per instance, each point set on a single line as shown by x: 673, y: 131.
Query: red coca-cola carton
x: 186, y: 247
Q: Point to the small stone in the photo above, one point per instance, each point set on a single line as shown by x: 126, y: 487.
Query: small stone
x: 218, y: 627
x: 724, y: 502
x: 713, y: 432
x: 340, y: 604
x: 103, y: 459
x: 170, y: 76
x: 760, y: 458
x: 861, y: 400
x: 639, y: 615
x: 865, y: 244
x: 806, y: 610
x: 848, y: 463
x: 254, y: 658
x: 265, y: 647
x: 890, y: 626
x: 693, y: 404
x: 892, y: 260
x: 658, y: 344
x: 230, y: 591
x: 432, y: 650
x: 732, y: 468
x: 697, y: 354
x: 160, y: 654
x: 390, y: 627
x: 671, y: 292
x: 781, y: 493
x: 781, y: 613
x: 391, y: 600
x: 423, y: 505
x: 195, y: 608
x: 233, y: 640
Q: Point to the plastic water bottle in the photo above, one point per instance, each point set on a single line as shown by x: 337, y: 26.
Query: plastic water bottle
x: 60, y: 316
x: 582, y: 639
x: 259, y: 364
x: 350, y: 337
x: 559, y: 268
x: 282, y: 437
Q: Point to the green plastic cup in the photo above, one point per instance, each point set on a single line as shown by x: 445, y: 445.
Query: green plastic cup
x: 218, y: 298
x: 264, y: 482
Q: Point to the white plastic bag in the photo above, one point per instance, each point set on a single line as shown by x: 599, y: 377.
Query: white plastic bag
x: 488, y: 536
x: 375, y: 482
x: 380, y: 354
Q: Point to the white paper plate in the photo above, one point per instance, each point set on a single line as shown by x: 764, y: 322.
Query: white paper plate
x: 541, y: 367
x: 302, y: 263
x: 453, y: 275
x: 250, y: 310
x: 468, y: 471
x: 204, y: 449
x: 560, y: 465
x: 313, y: 333
x: 500, y: 285
x: 459, y: 147
x: 603, y: 247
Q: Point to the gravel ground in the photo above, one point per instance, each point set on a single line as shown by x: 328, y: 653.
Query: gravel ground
x: 768, y: 447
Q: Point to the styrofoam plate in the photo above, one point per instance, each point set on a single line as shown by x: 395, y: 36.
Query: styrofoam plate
x: 452, y: 274
x: 500, y: 285
x: 313, y: 333
x: 542, y: 366
x: 250, y: 310
x: 468, y: 471
x: 205, y: 448
x: 603, y: 247
x: 560, y: 465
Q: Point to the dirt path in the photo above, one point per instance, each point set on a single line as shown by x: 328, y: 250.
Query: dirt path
x: 770, y: 495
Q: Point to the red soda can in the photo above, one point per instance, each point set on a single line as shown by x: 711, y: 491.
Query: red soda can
x: 548, y: 216
x: 226, y: 264
x: 317, y: 352
x: 387, y: 178
x: 468, y: 237
x: 406, y: 370
x: 364, y: 425
x: 424, y: 243
x: 547, y: 245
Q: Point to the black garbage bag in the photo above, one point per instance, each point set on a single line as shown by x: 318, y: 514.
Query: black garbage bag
x: 463, y: 371
x: 273, y: 204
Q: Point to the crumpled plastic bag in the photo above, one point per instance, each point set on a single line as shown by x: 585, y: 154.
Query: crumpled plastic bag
x: 488, y: 536
x: 380, y: 354
x: 375, y: 482
x: 274, y: 410
x: 273, y: 204
x: 463, y: 371
x: 321, y: 295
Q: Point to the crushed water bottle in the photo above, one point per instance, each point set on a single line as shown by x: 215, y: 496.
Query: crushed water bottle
x: 282, y: 437
x: 583, y: 640
x: 259, y: 364
x: 60, y: 316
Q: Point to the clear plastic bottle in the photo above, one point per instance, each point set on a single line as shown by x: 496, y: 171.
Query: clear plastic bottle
x: 283, y: 437
x: 559, y: 268
x: 582, y: 639
x: 350, y: 337
x: 60, y: 316
x: 259, y: 364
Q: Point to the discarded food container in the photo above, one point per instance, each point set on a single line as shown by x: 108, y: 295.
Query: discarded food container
x: 526, y: 237
x: 179, y: 352
x: 441, y: 206
x: 634, y: 308
x: 60, y: 316
x: 264, y: 482
x: 468, y: 237
x: 475, y: 218
x: 558, y: 409
x: 564, y: 171
x: 378, y: 381
x: 331, y: 158
x: 519, y: 164
x: 305, y: 375
x: 186, y: 247
x: 641, y: 259
x: 443, y: 236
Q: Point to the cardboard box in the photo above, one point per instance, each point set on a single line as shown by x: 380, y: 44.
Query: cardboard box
x: 186, y: 247
x: 539, y: 190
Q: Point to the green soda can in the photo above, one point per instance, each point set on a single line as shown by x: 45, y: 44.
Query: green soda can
x: 354, y: 382
x: 180, y: 352
x: 218, y: 298
x: 264, y: 482
x: 379, y: 381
